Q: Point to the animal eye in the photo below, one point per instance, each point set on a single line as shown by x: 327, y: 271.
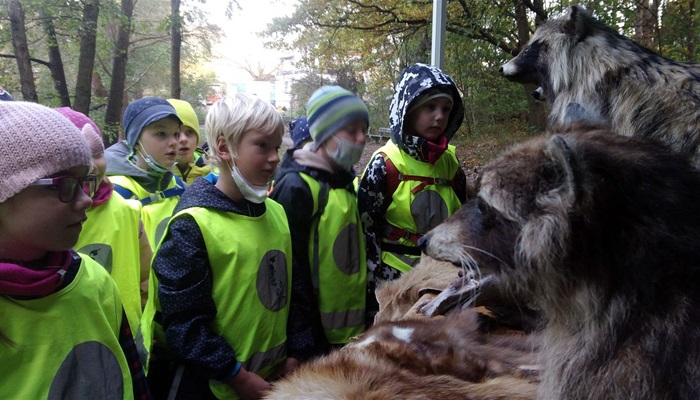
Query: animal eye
x: 481, y: 205
x: 486, y: 214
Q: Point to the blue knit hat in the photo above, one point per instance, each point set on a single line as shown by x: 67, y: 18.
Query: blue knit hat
x: 143, y: 112
x: 331, y: 108
x: 299, y: 131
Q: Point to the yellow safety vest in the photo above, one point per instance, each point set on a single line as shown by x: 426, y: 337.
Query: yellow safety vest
x: 194, y: 172
x: 251, y: 284
x: 338, y: 261
x: 155, y: 216
x: 65, y: 345
x: 110, y: 236
x: 422, y: 200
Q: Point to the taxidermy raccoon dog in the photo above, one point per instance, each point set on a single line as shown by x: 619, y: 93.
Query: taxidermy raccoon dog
x: 609, y: 79
x: 601, y: 233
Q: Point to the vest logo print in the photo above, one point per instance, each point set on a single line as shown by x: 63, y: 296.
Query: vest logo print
x: 89, y: 371
x: 100, y: 252
x: 272, y: 280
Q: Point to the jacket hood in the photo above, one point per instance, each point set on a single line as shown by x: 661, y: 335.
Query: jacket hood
x: 117, y: 157
x: 335, y: 179
x: 413, y: 82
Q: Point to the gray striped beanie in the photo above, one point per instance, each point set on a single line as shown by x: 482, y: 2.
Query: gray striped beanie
x: 331, y: 108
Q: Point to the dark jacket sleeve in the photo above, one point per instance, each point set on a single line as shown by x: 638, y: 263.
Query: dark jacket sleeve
x: 372, y: 202
x: 460, y: 185
x: 305, y: 335
x: 138, y: 378
x: 188, y: 309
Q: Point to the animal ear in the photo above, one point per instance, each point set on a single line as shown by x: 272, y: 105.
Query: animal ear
x: 543, y: 238
x: 576, y: 22
x: 566, y: 166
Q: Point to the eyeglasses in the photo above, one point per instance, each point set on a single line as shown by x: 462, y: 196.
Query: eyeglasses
x: 68, y: 185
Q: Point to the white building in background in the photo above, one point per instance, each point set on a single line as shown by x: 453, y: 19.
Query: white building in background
x: 262, y: 89
x: 277, y: 92
x: 287, y: 74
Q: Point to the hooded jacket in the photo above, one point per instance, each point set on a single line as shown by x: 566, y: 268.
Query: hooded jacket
x: 373, y: 199
x: 305, y: 333
x: 118, y: 163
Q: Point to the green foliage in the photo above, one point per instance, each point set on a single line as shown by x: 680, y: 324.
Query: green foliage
x: 361, y: 45
x: 148, y: 69
x: 377, y: 38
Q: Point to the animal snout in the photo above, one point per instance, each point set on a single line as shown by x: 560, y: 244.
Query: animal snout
x: 500, y: 70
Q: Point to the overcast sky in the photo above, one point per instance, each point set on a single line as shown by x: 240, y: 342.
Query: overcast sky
x: 241, y: 44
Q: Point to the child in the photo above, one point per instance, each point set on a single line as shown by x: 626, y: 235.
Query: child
x: 414, y: 181
x: 63, y: 331
x: 314, y: 185
x: 223, y: 266
x: 4, y: 95
x: 122, y: 249
x: 140, y: 168
x: 299, y: 132
x: 189, y: 162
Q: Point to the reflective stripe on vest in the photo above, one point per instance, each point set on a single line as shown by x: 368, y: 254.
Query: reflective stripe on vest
x: 110, y: 236
x: 338, y: 263
x: 251, y: 284
x: 66, y: 345
x: 421, y: 201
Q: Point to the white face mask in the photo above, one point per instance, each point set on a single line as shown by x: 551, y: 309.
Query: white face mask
x: 152, y: 164
x: 253, y: 193
x: 347, y: 153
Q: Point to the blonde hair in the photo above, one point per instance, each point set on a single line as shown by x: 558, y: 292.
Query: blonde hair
x: 233, y: 116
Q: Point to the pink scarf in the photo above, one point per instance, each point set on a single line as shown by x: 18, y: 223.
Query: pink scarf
x: 17, y: 280
x: 103, y: 193
x: 436, y: 149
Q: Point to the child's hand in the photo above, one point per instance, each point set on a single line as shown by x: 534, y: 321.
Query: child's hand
x: 249, y: 385
x: 289, y: 365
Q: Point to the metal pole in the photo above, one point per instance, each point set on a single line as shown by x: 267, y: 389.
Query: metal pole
x: 438, y: 45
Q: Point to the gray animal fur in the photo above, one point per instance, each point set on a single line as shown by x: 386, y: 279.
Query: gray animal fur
x: 601, y: 233
x: 611, y: 79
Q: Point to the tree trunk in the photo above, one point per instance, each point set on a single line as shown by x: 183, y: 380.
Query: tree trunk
x: 58, y: 75
x: 537, y: 116
x: 176, y: 47
x: 86, y: 62
x: 115, y: 101
x: 644, y: 25
x: 19, y: 43
x: 690, y: 34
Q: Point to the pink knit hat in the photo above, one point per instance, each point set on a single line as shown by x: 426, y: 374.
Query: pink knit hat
x: 37, y: 142
x: 88, y: 128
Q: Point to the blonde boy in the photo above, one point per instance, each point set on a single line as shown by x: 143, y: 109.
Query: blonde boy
x: 224, y: 265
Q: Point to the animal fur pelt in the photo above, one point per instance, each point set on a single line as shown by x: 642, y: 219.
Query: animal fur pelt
x: 398, y: 299
x: 435, y: 288
x: 589, y: 72
x: 420, y: 359
x: 602, y: 233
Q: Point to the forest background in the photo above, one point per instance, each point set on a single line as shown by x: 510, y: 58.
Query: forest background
x: 97, y: 55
